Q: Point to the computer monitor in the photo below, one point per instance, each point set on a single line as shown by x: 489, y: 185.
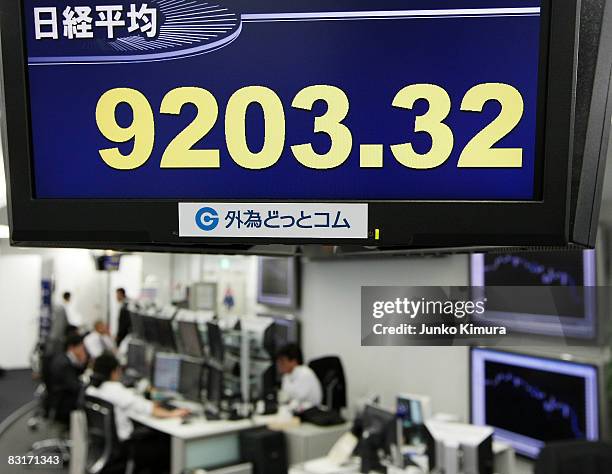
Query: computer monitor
x: 277, y: 282
x: 190, y: 339
x: 531, y: 401
x: 455, y: 448
x: 151, y: 329
x: 214, y: 386
x: 414, y: 411
x: 165, y: 334
x: 138, y: 330
x: 137, y: 359
x: 108, y: 263
x: 282, y: 331
x: 167, y: 372
x: 550, y: 293
x: 203, y: 296
x: 379, y: 435
x: 190, y: 381
x: 216, y: 346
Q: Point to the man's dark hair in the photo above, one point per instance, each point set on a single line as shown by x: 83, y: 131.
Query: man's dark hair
x: 291, y: 352
x: 73, y: 340
x: 121, y: 291
x: 103, y: 367
x: 67, y: 295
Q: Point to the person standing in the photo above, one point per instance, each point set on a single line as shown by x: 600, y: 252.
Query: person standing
x: 59, y: 326
x: 125, y: 321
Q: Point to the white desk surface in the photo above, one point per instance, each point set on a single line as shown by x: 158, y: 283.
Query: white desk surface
x: 308, y: 429
x: 198, y: 428
x: 202, y: 428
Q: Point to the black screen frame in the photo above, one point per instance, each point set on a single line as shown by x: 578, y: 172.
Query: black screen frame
x: 137, y: 224
x: 601, y: 422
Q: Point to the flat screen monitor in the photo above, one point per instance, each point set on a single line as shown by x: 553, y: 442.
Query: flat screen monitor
x: 551, y: 293
x: 167, y: 372
x: 531, y: 401
x: 190, y: 382
x: 277, y: 282
x: 138, y: 326
x: 216, y: 345
x: 137, y: 359
x: 203, y: 296
x: 151, y: 329
x: 191, y: 339
x: 165, y: 333
x: 414, y: 411
x: 214, y: 385
x: 108, y: 263
x: 326, y: 129
x: 282, y: 331
x: 379, y: 435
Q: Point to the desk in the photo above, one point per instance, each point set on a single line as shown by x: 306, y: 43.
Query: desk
x: 204, y: 443
x: 201, y: 443
x: 503, y: 464
x: 308, y: 441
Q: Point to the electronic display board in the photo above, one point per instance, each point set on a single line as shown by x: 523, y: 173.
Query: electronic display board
x: 390, y: 123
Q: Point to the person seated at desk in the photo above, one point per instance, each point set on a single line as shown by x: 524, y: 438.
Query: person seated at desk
x: 150, y: 448
x: 64, y: 386
x: 99, y: 340
x: 299, y: 384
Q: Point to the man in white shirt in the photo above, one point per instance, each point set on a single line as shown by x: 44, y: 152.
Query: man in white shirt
x: 149, y: 449
x: 99, y: 341
x: 300, y: 385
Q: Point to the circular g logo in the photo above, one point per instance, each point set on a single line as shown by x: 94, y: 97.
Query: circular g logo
x: 207, y: 219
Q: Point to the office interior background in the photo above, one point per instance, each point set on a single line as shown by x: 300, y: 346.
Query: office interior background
x: 328, y: 311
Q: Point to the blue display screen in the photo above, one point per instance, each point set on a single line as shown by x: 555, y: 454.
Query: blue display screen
x: 302, y: 100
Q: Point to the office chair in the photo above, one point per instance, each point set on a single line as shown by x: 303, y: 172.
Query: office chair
x: 105, y: 453
x: 37, y: 361
x: 59, y: 444
x: 573, y: 457
x: 330, y: 373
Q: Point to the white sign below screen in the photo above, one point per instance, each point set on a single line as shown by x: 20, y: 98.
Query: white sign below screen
x: 274, y: 220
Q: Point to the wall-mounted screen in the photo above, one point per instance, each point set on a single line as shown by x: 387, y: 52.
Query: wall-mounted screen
x: 277, y: 282
x: 531, y: 401
x: 551, y: 293
x: 185, y: 123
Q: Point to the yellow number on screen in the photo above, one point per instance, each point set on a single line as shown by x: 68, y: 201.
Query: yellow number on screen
x: 479, y: 152
x: 274, y: 123
x: 442, y: 139
x: 180, y: 152
x: 141, y: 130
x: 330, y: 123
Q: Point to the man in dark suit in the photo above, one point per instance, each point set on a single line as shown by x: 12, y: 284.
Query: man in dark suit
x: 64, y: 387
x: 125, y: 322
x: 59, y: 327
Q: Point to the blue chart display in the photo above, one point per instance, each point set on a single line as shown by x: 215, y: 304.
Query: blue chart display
x: 167, y: 372
x: 531, y: 400
x: 318, y: 100
x: 542, y: 273
x: 543, y: 406
x: 547, y: 293
x: 562, y: 272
